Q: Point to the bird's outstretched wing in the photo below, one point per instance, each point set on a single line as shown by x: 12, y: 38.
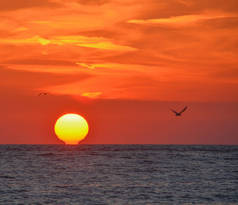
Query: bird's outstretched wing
x: 42, y: 94
x: 183, y: 110
x: 174, y: 111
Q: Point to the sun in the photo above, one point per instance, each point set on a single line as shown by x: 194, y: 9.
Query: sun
x: 71, y: 128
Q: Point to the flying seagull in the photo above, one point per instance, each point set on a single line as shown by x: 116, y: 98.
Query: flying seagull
x: 179, y: 113
x: 42, y: 94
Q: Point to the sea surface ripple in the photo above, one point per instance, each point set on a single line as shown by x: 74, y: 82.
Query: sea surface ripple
x: 118, y: 174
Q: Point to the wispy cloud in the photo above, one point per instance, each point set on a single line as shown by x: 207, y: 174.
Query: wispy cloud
x: 107, y: 46
x: 33, y: 40
x: 46, y: 69
x: 167, y: 45
x: 91, y: 94
x: 82, y: 41
x: 21, y: 4
x: 180, y: 20
x: 85, y: 65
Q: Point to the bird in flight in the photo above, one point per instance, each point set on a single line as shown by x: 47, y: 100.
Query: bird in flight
x: 179, y: 113
x: 42, y: 94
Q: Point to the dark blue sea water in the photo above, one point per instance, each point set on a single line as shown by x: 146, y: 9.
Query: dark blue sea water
x: 118, y: 174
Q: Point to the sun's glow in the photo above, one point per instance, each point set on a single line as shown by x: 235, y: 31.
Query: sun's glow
x: 71, y: 128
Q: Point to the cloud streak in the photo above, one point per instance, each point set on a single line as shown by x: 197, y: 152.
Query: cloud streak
x: 181, y: 20
x: 135, y: 49
x: 82, y: 41
x: 21, y: 4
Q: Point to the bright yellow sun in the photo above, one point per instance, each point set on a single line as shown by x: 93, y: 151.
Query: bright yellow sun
x: 71, y: 128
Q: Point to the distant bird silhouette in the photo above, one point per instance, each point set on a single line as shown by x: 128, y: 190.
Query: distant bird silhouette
x: 179, y: 113
x: 42, y: 94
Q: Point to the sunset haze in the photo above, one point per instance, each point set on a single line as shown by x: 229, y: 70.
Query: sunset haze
x: 122, y: 64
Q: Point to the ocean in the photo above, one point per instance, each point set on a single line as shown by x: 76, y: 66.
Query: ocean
x: 118, y: 174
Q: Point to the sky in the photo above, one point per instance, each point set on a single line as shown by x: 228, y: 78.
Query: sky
x: 122, y: 64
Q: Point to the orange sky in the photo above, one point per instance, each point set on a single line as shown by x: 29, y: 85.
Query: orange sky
x: 122, y: 64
